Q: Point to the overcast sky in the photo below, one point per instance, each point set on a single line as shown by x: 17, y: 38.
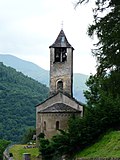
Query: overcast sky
x: 29, y: 27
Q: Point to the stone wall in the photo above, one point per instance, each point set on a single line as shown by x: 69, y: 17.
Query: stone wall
x: 50, y: 120
x: 61, y: 71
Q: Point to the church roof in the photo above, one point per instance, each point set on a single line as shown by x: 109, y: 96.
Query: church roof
x: 60, y: 92
x: 59, y: 107
x: 61, y: 41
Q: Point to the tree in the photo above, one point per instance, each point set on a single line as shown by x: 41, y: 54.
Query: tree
x: 3, y: 145
x: 104, y: 86
x: 28, y: 136
x: 18, y: 96
x: 107, y: 29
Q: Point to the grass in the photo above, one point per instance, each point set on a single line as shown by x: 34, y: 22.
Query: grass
x: 108, y: 146
x: 18, y: 150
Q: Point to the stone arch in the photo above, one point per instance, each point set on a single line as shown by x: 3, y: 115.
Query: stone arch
x: 59, y: 85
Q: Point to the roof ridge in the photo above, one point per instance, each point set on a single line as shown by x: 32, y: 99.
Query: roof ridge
x: 80, y: 103
x: 61, y: 41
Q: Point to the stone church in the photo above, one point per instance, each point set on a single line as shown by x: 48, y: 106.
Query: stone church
x: 54, y: 112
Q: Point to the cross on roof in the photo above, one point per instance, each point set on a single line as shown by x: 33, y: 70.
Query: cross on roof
x: 62, y: 25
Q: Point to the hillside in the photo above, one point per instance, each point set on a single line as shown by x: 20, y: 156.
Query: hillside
x: 18, y: 96
x: 27, y: 68
x: 34, y: 71
x: 107, y: 146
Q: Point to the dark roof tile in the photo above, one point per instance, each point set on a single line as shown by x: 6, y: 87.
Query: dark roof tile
x: 61, y: 41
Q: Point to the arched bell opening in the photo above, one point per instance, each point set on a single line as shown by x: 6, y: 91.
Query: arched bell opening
x: 60, y: 55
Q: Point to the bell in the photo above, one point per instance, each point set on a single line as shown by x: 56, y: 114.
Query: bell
x: 64, y: 55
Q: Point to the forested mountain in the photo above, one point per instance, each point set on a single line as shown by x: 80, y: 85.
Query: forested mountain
x: 18, y: 96
x: 41, y: 75
x: 27, y: 68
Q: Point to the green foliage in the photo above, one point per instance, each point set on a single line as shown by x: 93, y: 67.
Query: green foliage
x: 46, y: 149
x: 103, y: 96
x: 28, y: 136
x: 107, y: 146
x: 19, y: 95
x: 3, y: 145
x: 56, y: 147
x: 104, y: 86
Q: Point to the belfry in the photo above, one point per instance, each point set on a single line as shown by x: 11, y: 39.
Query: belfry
x: 54, y: 112
x: 61, y: 65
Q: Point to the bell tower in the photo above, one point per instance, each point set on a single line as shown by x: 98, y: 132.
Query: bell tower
x: 53, y: 114
x: 61, y: 65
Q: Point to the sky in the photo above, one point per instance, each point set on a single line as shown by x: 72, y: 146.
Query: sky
x: 29, y: 27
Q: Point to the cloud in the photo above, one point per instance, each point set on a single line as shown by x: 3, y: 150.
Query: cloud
x: 29, y: 27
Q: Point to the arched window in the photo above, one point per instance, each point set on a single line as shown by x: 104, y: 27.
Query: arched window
x: 57, y: 125
x: 44, y: 126
x: 59, y: 85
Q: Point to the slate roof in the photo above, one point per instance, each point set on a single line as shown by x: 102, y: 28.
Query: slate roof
x: 59, y: 107
x: 61, y: 41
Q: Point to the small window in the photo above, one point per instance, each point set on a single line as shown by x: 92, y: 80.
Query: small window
x: 57, y: 125
x: 44, y: 126
x: 59, y: 86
